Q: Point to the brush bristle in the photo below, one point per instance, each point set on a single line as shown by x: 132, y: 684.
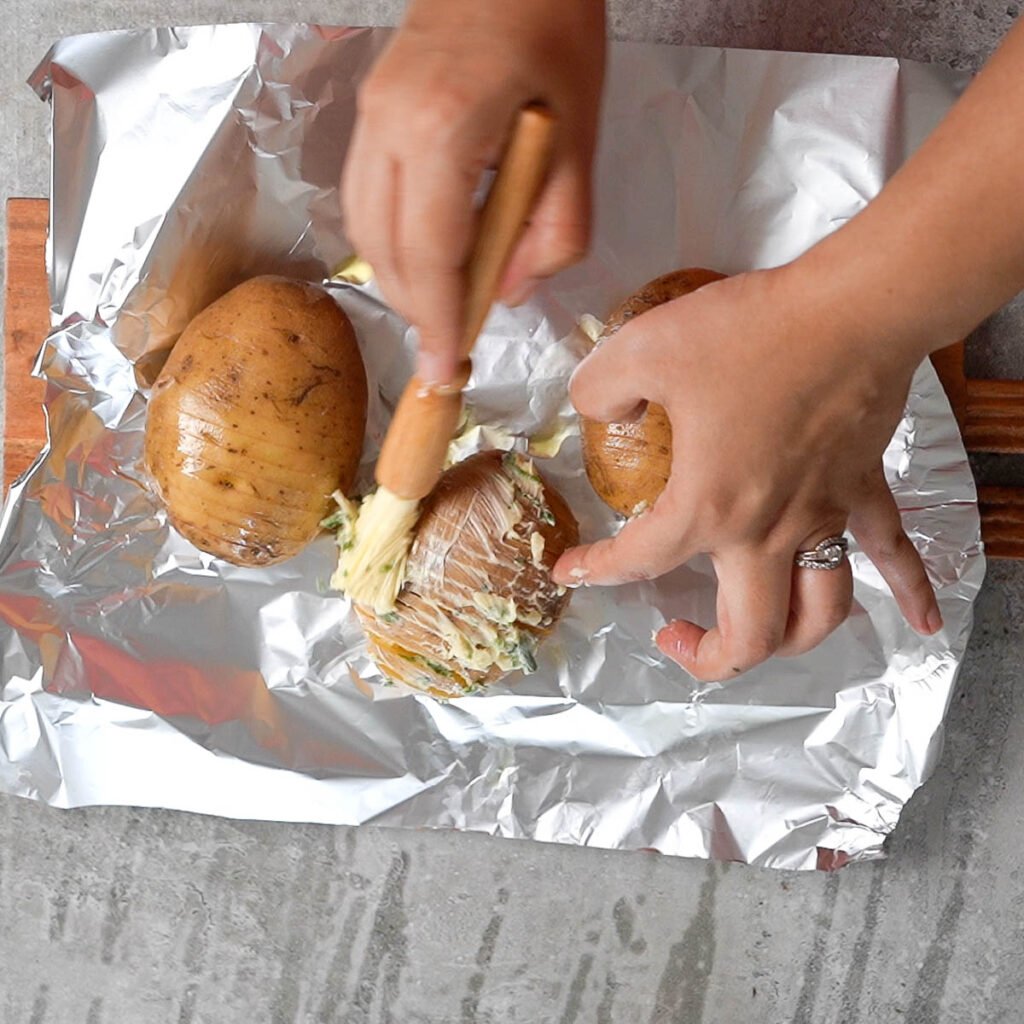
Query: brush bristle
x: 371, y: 571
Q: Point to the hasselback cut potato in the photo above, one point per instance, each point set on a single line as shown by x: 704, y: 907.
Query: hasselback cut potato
x: 256, y: 418
x: 479, y: 594
x: 629, y: 463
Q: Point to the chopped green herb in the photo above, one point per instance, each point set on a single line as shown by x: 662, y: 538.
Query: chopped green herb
x: 527, y: 659
x: 436, y: 666
x: 521, y: 647
x: 512, y: 461
x: 334, y: 521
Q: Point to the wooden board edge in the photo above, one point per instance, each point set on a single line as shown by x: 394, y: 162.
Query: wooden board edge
x: 26, y: 324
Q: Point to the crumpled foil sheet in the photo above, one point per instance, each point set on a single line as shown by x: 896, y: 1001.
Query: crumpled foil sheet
x: 136, y: 670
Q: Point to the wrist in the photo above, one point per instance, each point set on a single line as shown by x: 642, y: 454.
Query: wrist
x: 878, y: 305
x: 837, y: 349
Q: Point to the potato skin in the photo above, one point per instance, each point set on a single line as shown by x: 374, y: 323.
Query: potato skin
x: 464, y: 544
x: 628, y: 464
x: 256, y: 418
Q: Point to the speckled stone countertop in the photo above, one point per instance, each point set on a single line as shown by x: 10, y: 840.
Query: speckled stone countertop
x: 121, y: 915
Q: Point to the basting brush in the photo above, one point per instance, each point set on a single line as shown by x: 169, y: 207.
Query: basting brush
x: 371, y: 569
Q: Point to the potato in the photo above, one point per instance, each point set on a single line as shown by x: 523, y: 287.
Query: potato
x: 256, y: 418
x: 479, y: 594
x: 628, y: 464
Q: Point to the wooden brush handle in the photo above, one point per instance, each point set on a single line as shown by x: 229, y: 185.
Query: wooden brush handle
x: 504, y: 216
x: 416, y: 444
x: 413, y: 454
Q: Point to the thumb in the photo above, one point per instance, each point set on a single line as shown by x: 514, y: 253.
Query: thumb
x: 608, y: 384
x: 647, y: 546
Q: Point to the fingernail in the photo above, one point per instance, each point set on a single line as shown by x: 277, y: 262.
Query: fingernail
x: 934, y: 620
x: 573, y: 579
x: 675, y: 648
x: 434, y: 369
x: 519, y: 293
x: 679, y: 640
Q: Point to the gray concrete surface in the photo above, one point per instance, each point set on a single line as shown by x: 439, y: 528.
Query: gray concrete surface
x: 117, y: 915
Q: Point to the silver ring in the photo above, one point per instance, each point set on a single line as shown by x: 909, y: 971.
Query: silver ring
x: 829, y: 554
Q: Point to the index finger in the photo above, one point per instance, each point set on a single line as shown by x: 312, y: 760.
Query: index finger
x: 753, y: 609
x: 432, y: 243
x: 435, y: 231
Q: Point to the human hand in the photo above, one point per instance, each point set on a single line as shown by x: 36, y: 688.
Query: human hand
x: 782, y: 397
x: 434, y: 113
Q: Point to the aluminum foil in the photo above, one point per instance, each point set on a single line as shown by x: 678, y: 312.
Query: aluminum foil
x: 137, y: 670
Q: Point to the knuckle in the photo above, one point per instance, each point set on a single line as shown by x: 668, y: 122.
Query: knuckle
x: 833, y: 615
x: 613, y: 567
x: 557, y: 258
x: 889, y: 545
x: 704, y: 674
x: 632, y: 341
x: 812, y: 634
x: 637, y: 572
x: 562, y: 244
x: 374, y: 96
x: 440, y: 120
x: 615, y: 561
x: 724, y: 508
x: 634, y: 354
x: 421, y: 109
x: 759, y: 646
x: 570, y: 250
x: 816, y: 622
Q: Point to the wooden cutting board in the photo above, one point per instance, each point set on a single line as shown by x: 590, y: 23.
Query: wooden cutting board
x: 990, y: 412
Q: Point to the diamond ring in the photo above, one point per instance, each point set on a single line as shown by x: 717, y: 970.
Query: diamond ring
x: 828, y: 554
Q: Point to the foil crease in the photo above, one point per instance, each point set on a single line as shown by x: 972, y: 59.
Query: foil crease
x: 137, y: 670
